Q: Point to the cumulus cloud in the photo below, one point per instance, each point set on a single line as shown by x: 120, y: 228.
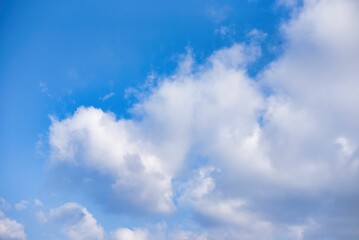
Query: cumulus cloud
x: 10, y: 229
x: 95, y: 139
x: 76, y: 222
x: 143, y: 156
x: 266, y: 163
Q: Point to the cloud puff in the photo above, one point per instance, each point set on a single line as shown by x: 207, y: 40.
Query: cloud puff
x: 128, y: 234
x: 267, y: 164
x: 22, y: 205
x: 76, y: 222
x: 96, y: 140
x: 11, y: 229
x: 159, y: 231
x: 38, y: 203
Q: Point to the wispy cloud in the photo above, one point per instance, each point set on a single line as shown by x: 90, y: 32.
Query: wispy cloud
x: 4, y: 205
x: 218, y: 13
x: 107, y: 96
x: 22, y: 205
x: 38, y: 203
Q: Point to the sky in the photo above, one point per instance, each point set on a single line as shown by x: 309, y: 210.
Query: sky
x: 179, y: 120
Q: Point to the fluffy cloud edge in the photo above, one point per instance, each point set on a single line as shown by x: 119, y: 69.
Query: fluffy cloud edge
x: 11, y: 229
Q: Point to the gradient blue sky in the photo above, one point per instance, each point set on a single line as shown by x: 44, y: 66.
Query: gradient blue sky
x: 179, y: 119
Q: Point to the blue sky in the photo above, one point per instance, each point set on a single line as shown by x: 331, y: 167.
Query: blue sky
x: 179, y: 120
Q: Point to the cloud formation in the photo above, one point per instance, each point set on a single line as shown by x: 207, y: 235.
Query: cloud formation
x: 96, y: 140
x: 11, y: 229
x: 128, y: 234
x: 22, y: 205
x: 247, y: 163
x: 76, y: 222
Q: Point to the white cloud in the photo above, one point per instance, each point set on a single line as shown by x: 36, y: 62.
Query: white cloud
x: 274, y: 159
x: 159, y: 231
x: 210, y: 205
x: 10, y: 229
x: 38, y: 203
x: 256, y: 35
x: 97, y: 140
x: 128, y: 234
x: 107, y: 96
x: 22, y: 205
x: 297, y: 232
x: 315, y: 85
x: 347, y: 148
x: 318, y: 68
x: 143, y: 156
x: 76, y: 222
x: 226, y: 32
x: 218, y: 13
